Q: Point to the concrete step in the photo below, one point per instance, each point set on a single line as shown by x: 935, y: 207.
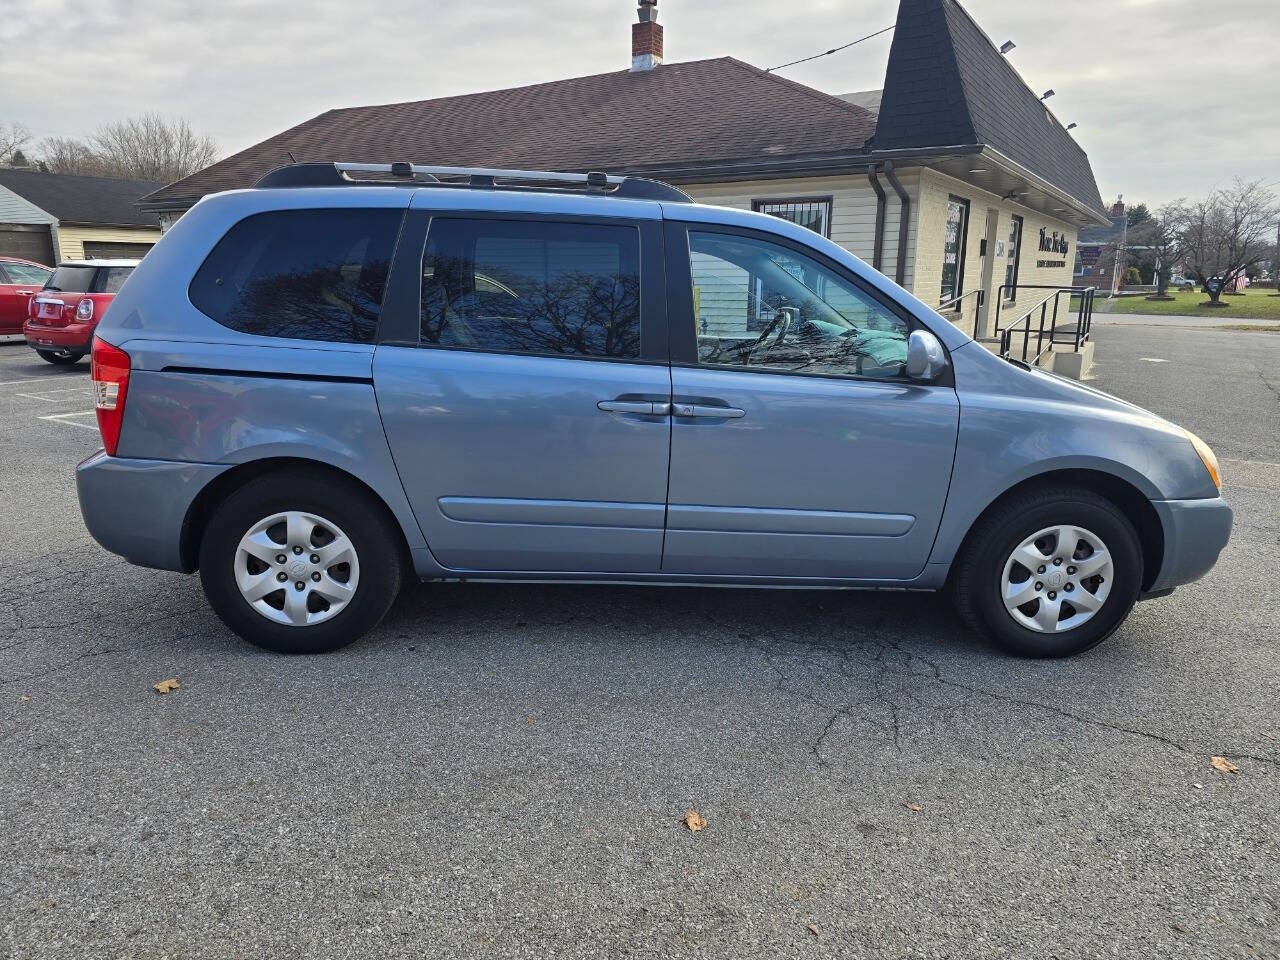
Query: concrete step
x: 1059, y: 358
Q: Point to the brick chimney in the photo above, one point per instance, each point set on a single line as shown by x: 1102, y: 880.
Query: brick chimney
x: 646, y: 38
x: 1117, y: 208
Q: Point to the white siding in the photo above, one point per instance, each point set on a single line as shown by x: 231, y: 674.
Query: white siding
x: 853, y: 209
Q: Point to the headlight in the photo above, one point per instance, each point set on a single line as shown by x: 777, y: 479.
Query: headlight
x: 1207, y: 458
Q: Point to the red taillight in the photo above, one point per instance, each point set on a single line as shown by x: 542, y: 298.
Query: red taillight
x: 110, y: 371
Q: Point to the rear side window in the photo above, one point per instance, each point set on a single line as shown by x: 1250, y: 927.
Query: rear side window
x: 304, y: 274
x: 110, y: 279
x: 543, y: 287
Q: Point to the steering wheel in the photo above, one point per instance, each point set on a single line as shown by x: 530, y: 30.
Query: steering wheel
x: 782, y: 320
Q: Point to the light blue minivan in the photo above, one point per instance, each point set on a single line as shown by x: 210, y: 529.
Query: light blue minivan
x: 354, y: 373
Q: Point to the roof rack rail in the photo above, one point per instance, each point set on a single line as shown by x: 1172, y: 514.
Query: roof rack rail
x: 486, y: 178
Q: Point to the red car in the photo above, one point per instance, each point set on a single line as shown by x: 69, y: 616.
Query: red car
x: 62, y: 316
x: 19, y: 282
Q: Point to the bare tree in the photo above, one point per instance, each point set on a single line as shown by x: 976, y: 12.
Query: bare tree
x: 13, y: 137
x: 1156, y: 242
x: 146, y: 147
x: 68, y: 155
x: 1226, y: 233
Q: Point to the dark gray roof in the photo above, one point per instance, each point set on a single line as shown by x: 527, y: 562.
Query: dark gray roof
x: 948, y: 85
x: 705, y: 114
x: 83, y: 199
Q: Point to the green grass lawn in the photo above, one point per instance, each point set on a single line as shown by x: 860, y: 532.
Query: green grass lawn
x: 1254, y: 305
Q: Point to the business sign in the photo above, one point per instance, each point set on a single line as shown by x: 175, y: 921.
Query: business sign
x: 1053, y: 243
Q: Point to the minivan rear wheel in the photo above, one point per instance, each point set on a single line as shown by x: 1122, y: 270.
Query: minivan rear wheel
x: 1050, y: 573
x: 299, y: 564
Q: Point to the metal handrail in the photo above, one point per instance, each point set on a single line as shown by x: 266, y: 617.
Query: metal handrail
x: 958, y: 304
x: 1080, y: 335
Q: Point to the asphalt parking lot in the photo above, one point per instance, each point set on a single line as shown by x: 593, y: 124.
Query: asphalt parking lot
x: 501, y: 770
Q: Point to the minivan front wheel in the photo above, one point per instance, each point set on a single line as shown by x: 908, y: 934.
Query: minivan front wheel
x: 300, y: 564
x: 1051, y: 573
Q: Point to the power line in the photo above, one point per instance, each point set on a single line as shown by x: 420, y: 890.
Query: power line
x: 834, y: 50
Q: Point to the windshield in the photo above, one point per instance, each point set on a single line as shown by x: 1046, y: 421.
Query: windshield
x: 71, y: 279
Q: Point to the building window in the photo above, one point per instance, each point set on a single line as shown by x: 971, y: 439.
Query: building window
x: 1015, y: 256
x: 953, y: 248
x: 812, y: 213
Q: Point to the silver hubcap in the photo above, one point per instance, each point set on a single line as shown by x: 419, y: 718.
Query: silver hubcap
x: 1057, y: 579
x: 296, y: 568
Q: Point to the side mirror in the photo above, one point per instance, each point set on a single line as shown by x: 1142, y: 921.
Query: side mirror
x: 925, y: 357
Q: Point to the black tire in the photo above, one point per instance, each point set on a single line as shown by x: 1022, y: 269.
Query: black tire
x: 976, y: 581
x: 376, y: 539
x: 60, y: 357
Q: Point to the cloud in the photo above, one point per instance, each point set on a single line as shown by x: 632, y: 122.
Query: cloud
x: 1169, y: 101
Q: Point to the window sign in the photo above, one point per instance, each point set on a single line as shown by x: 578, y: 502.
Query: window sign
x: 1014, y: 256
x: 953, y: 248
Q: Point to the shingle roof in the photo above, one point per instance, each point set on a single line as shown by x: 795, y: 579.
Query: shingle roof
x: 948, y: 84
x: 701, y: 113
x: 83, y: 199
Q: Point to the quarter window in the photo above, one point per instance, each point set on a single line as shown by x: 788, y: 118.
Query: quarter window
x: 812, y: 213
x: 762, y: 305
x: 111, y: 279
x: 304, y: 274
x: 953, y: 248
x: 25, y: 273
x: 567, y: 289
x: 1014, y: 255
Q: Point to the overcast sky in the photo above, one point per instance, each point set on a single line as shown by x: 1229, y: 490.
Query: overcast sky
x: 1172, y: 97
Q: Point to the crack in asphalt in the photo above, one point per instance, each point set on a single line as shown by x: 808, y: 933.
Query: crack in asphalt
x: 890, y: 678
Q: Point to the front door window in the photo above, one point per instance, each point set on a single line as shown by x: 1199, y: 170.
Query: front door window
x: 763, y: 305
x: 953, y: 248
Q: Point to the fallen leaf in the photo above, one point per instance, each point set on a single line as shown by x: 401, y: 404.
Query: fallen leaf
x: 529, y: 721
x: 694, y: 821
x: 24, y: 699
x: 1198, y: 786
x: 1223, y: 764
x: 914, y: 807
x: 164, y: 686
x: 813, y: 930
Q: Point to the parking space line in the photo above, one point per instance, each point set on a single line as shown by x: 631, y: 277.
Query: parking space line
x: 64, y: 418
x: 10, y: 383
x: 52, y: 396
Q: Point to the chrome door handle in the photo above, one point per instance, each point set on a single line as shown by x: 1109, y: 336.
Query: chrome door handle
x: 645, y: 407
x: 707, y: 410
x: 25, y: 293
